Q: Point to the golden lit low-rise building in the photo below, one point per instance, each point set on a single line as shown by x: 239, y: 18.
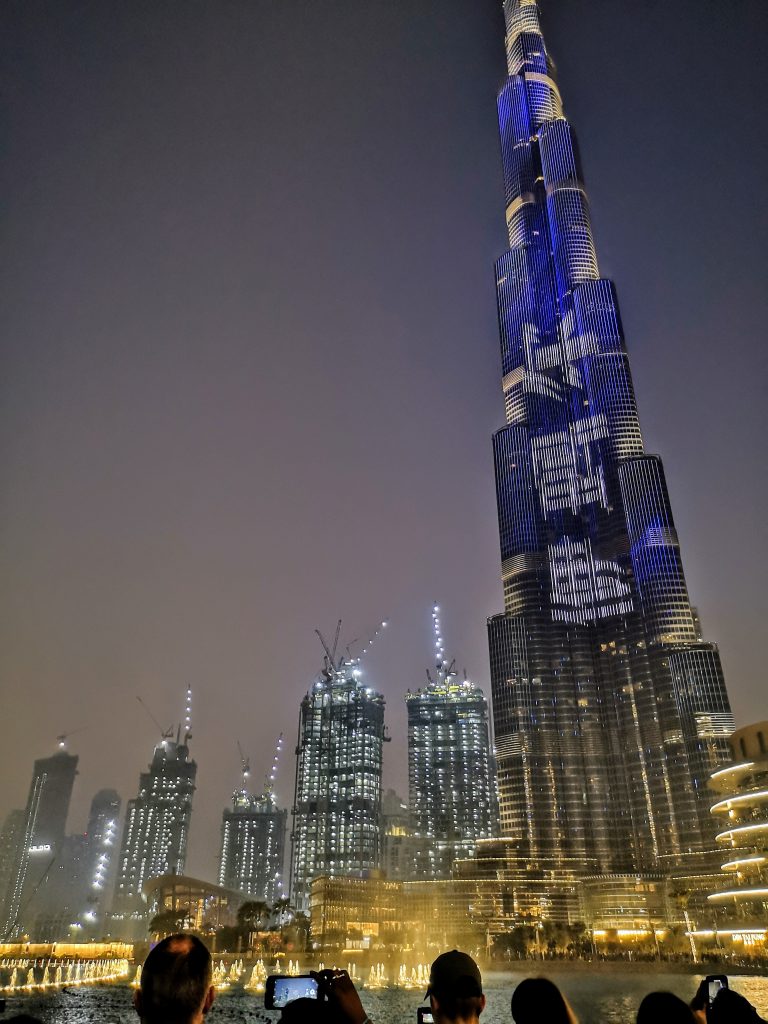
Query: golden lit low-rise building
x: 741, y: 810
x: 201, y: 906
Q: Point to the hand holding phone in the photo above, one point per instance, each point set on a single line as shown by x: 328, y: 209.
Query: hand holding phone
x: 281, y: 989
x: 714, y: 983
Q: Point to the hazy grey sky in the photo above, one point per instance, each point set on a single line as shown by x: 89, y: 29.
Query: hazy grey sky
x: 250, y: 367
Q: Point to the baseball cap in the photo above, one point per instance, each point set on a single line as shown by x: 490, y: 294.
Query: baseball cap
x: 455, y: 974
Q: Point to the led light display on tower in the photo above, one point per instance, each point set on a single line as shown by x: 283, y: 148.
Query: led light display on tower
x: 609, y: 710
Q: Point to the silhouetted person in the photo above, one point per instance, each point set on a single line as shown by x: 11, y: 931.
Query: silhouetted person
x: 176, y: 982
x: 729, y: 1007
x: 664, y: 1008
x: 540, y: 1001
x: 455, y: 989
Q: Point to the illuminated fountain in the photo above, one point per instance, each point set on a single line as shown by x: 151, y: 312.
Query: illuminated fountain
x: 258, y: 977
x: 377, y: 977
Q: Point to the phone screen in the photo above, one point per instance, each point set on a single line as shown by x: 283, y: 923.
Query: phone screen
x: 288, y: 989
x: 714, y: 986
x: 424, y: 1015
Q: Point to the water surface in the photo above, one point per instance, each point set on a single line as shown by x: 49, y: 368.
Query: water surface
x: 598, y: 997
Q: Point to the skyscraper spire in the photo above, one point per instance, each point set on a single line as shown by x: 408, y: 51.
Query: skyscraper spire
x: 188, y: 716
x: 609, y: 711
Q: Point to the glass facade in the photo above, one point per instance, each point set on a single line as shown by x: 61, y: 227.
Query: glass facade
x: 252, y: 842
x: 609, y: 710
x: 41, y: 842
x: 451, y: 789
x: 156, y: 827
x: 337, y: 805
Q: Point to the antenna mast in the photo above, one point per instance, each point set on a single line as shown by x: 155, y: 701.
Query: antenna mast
x: 245, y: 765
x: 269, y: 779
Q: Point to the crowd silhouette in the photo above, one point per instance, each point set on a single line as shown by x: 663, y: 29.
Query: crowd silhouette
x: 177, y: 988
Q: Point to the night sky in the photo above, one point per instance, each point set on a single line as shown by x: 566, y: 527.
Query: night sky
x: 250, y: 364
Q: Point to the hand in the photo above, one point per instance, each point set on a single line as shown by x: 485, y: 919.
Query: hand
x: 339, y: 989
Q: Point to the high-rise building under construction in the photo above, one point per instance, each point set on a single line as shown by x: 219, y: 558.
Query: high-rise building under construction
x: 336, y: 826
x: 40, y: 842
x: 252, y: 842
x: 156, y: 829
x: 609, y: 710
x: 450, y: 772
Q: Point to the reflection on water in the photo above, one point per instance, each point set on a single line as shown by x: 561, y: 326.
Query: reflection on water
x: 599, y: 997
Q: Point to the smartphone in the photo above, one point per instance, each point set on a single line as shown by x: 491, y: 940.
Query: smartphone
x: 714, y: 983
x: 424, y: 1015
x: 281, y: 989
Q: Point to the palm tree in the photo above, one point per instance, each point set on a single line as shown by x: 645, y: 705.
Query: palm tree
x: 251, y: 914
x: 166, y: 922
x: 283, y: 912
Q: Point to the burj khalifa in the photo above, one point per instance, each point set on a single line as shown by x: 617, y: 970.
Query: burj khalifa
x: 610, y: 710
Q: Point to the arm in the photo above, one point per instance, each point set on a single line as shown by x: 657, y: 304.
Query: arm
x: 339, y: 989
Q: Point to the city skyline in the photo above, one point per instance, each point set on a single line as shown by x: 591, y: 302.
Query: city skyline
x: 62, y: 579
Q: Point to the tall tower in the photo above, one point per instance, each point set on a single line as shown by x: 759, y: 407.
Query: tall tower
x: 609, y: 710
x: 11, y: 836
x: 337, y: 803
x: 83, y: 875
x: 156, y: 824
x: 450, y: 781
x: 253, y: 841
x: 101, y: 852
x: 42, y: 839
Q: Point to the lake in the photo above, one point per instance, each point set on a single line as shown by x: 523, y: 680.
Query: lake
x: 607, y: 996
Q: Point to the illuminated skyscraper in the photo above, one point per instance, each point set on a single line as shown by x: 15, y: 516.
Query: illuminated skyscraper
x: 74, y: 898
x: 252, y: 843
x: 156, y: 828
x: 11, y: 836
x: 42, y: 840
x: 449, y: 768
x: 609, y: 710
x: 101, y: 852
x: 337, y: 805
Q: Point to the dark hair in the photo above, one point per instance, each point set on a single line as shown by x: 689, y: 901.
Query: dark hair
x: 539, y: 999
x: 175, y: 979
x: 664, y: 1008
x: 453, y: 1006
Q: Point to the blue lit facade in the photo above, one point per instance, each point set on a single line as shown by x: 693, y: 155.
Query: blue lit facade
x: 610, y: 712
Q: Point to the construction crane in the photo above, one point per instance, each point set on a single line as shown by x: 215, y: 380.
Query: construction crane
x: 332, y: 666
x: 61, y: 741
x: 164, y: 733
x: 330, y: 652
